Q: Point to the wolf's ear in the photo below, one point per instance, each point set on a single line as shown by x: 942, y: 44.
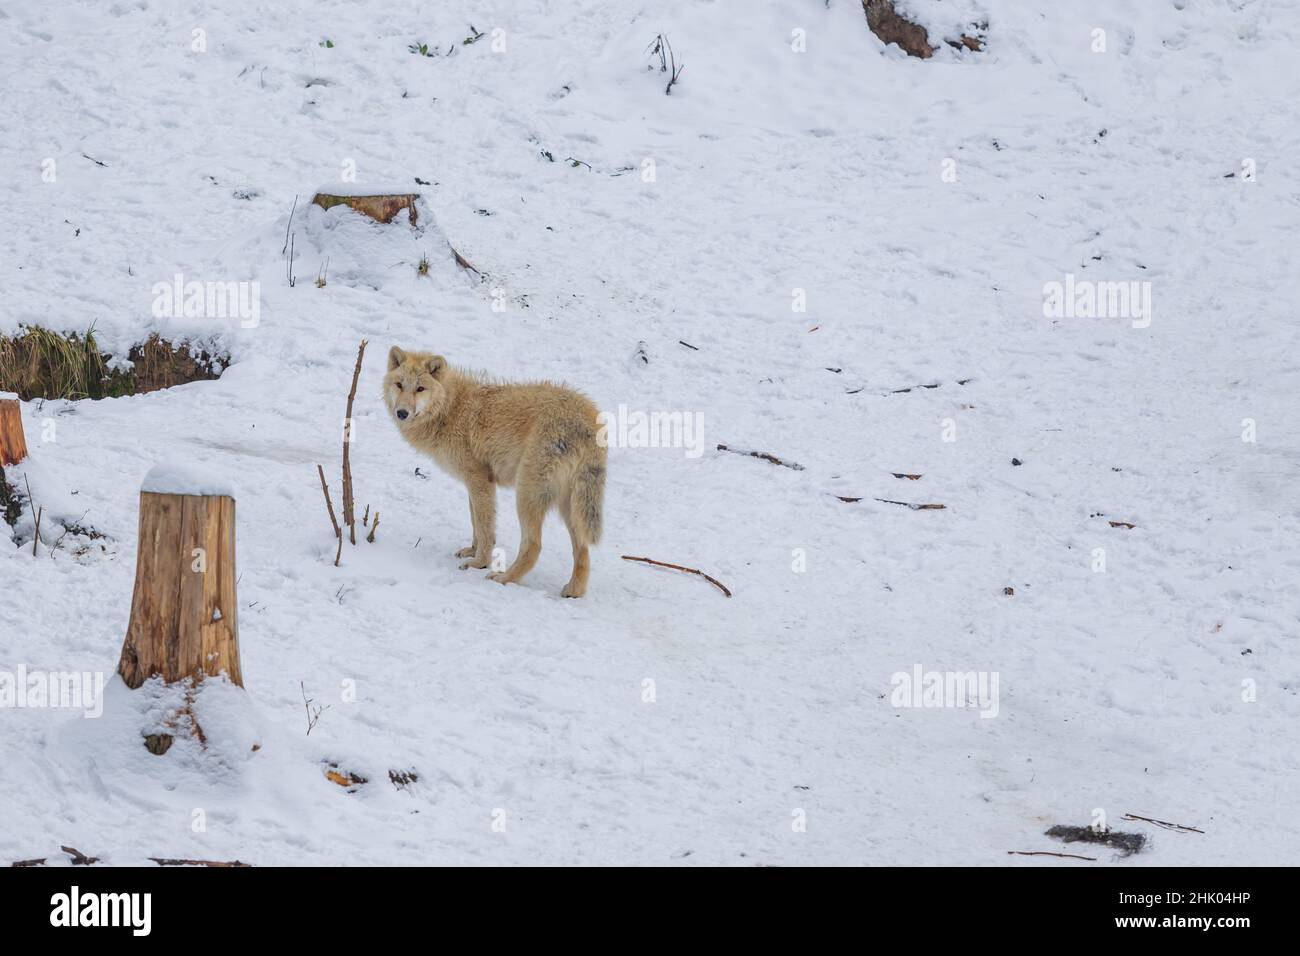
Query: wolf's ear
x: 395, y: 357
x: 436, y: 365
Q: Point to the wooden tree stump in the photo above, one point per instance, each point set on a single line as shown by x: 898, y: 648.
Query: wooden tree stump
x: 13, y: 447
x: 381, y: 207
x: 184, y: 612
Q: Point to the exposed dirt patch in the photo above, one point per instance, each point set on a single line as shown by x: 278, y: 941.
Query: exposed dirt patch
x: 892, y: 27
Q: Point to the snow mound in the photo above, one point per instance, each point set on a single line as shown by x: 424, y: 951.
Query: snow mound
x: 176, y: 477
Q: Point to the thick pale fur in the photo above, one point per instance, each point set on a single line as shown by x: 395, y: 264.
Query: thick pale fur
x: 539, y: 437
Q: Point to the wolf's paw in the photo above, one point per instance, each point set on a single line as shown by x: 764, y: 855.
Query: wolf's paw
x: 573, y: 590
x: 466, y: 552
x: 478, y: 563
x: 501, y: 577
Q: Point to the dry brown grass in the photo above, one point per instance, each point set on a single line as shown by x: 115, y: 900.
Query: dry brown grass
x: 44, y: 364
x: 39, y: 363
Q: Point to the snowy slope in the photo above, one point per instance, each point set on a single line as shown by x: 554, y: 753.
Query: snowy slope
x: 774, y: 171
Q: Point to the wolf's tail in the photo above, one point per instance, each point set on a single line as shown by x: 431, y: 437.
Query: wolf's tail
x: 587, y: 498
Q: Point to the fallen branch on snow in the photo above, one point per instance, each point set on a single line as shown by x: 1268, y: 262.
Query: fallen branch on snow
x: 1066, y: 856
x: 168, y: 861
x: 79, y: 858
x: 908, y: 504
x: 463, y: 262
x: 904, y: 391
x: 677, y: 567
x: 763, y: 455
x: 1162, y: 823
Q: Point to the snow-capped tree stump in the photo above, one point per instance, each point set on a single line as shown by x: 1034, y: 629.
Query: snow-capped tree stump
x: 184, y: 613
x: 13, y: 447
x: 379, y: 206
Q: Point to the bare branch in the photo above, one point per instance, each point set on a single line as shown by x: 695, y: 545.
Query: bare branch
x: 328, y: 503
x: 677, y: 567
x: 313, y: 713
x: 165, y: 861
x: 349, y: 515
x: 36, y: 538
x: 289, y: 225
x: 1162, y: 823
x: 763, y: 455
x: 79, y: 858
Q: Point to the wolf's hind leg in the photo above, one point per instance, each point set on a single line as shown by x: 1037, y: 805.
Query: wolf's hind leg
x: 577, y: 585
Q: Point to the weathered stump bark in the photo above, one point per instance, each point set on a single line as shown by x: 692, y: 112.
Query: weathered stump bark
x: 380, y: 207
x: 13, y: 447
x: 184, y: 613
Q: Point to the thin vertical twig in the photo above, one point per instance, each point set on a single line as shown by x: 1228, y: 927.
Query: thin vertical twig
x: 289, y: 225
x: 349, y: 513
x: 329, y: 504
x: 31, y: 502
x: 313, y: 714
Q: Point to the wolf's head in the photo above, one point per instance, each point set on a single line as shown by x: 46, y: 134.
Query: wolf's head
x: 414, y: 386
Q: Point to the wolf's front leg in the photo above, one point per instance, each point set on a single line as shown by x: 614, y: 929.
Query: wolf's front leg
x: 473, y: 519
x: 482, y: 514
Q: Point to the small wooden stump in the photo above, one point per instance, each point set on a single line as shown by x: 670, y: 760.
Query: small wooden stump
x: 184, y: 612
x: 13, y: 447
x: 381, y: 207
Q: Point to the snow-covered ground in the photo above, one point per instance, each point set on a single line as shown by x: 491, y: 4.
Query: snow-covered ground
x: 919, y: 209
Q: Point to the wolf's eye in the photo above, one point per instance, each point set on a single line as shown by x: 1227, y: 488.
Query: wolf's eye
x: 419, y: 388
x: 399, y: 386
